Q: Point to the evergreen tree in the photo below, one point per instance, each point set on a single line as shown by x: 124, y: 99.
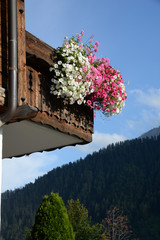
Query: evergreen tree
x: 51, y: 221
x: 80, y: 220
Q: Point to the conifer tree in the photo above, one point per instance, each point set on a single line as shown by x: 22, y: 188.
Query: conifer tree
x: 80, y: 220
x: 51, y: 220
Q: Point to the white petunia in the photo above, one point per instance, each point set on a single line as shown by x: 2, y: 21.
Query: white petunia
x: 55, y: 65
x: 79, y: 102
x: 57, y: 73
x: 51, y: 69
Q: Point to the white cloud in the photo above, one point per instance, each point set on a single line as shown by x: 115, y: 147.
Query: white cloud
x: 146, y: 108
x: 19, y: 171
x: 150, y: 98
x: 100, y: 140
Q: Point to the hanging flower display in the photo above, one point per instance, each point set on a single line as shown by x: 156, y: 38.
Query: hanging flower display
x: 78, y: 76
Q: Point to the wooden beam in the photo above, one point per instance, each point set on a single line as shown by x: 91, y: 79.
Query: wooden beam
x: 21, y: 50
x: 24, y: 112
x: 35, y: 48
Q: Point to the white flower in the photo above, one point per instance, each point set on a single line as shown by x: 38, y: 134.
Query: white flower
x: 52, y: 88
x: 51, y: 69
x: 79, y: 102
x: 55, y: 65
x: 55, y: 92
x: 55, y: 81
x: 67, y: 85
x: 57, y: 73
x: 59, y: 62
x: 61, y: 80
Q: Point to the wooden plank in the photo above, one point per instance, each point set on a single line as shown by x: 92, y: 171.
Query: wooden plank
x: 62, y: 126
x: 39, y: 49
x: 22, y: 84
x: 3, y: 43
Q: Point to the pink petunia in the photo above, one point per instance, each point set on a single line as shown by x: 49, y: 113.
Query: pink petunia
x: 79, y: 39
x: 84, y: 69
x: 88, y: 49
x: 89, y: 102
x: 108, y: 88
x: 114, y: 94
x: 78, y: 35
x: 82, y: 32
x: 97, y: 44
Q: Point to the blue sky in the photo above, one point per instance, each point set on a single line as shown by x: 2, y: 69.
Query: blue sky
x: 129, y: 35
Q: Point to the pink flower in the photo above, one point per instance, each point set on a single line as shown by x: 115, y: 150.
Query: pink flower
x: 97, y: 44
x: 79, y: 39
x: 114, y: 94
x: 90, y: 40
x: 80, y: 46
x: 90, y: 59
x: 78, y: 35
x: 96, y: 49
x: 108, y: 60
x: 84, y: 69
x: 88, y: 49
x: 89, y: 102
x: 82, y: 32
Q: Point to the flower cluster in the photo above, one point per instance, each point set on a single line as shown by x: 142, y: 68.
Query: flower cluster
x: 78, y: 76
x: 108, y: 88
x: 69, y: 81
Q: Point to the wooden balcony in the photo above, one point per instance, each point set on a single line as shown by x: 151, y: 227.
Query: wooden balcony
x: 41, y: 122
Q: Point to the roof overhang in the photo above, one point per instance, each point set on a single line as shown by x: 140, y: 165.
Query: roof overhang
x: 25, y: 137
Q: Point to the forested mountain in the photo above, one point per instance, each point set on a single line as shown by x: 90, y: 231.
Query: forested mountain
x: 126, y: 175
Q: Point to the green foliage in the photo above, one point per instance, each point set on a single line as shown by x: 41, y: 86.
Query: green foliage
x: 80, y: 220
x: 28, y: 234
x: 125, y: 175
x: 51, y: 221
x: 78, y: 216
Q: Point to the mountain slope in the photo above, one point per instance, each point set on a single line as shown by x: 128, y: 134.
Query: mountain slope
x: 124, y: 175
x: 151, y: 133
